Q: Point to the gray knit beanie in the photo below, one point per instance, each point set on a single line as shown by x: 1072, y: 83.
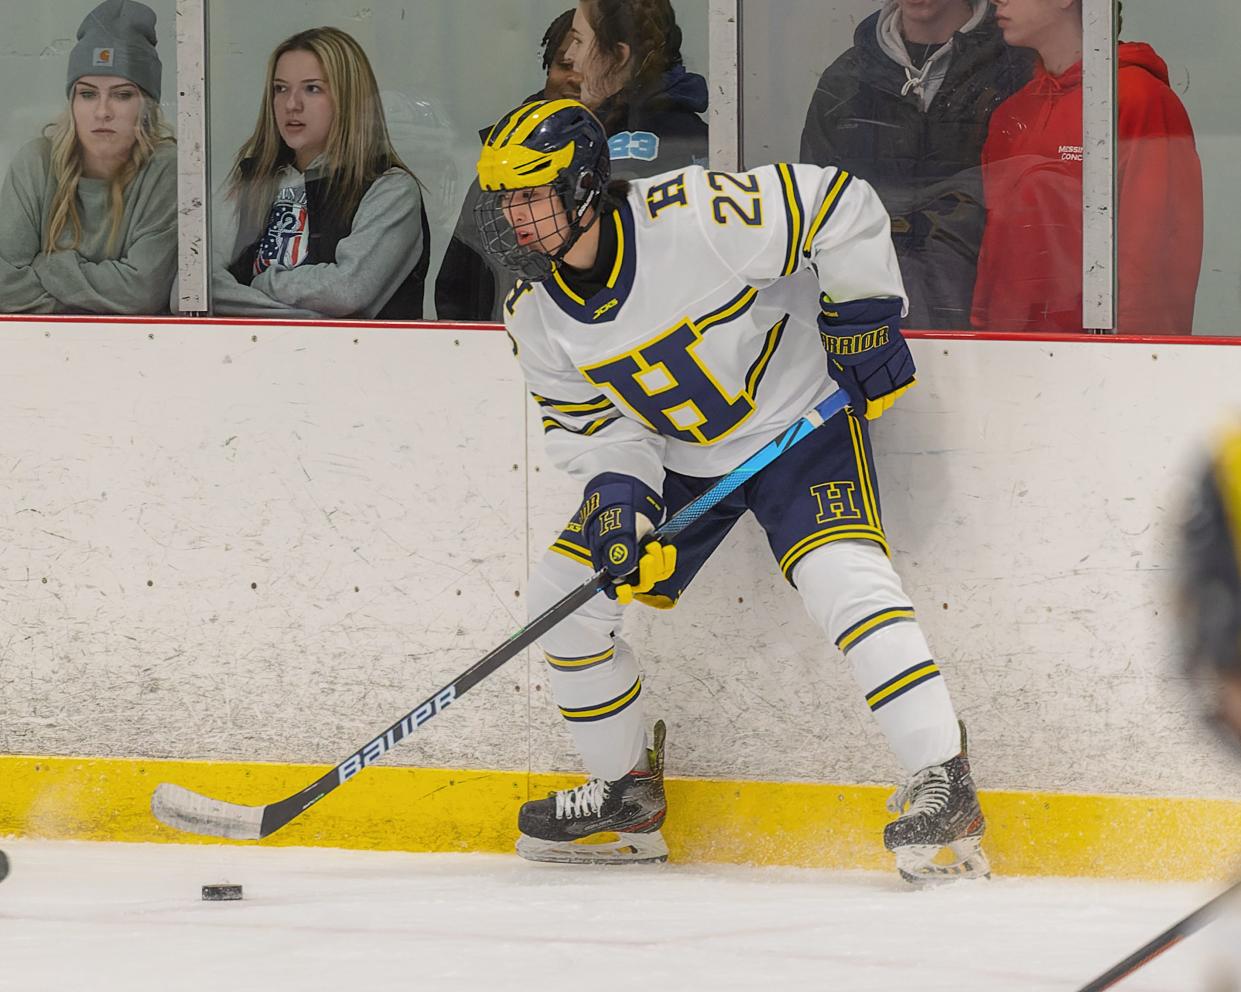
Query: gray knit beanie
x: 118, y: 39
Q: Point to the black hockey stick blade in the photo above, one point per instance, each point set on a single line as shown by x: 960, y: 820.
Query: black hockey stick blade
x: 194, y: 813
x: 1194, y: 922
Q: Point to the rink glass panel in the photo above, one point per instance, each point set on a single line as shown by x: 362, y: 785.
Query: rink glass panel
x: 445, y: 68
x: 1197, y: 41
x: 35, y: 65
x: 929, y: 179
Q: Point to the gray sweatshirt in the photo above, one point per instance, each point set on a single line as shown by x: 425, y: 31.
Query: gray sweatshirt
x: 371, y: 262
x: 924, y: 82
x: 134, y: 280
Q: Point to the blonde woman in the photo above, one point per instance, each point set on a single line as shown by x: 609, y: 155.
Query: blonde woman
x: 88, y: 212
x: 321, y: 217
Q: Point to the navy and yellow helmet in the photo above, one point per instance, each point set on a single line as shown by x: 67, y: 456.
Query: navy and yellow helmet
x: 555, y: 143
x: 1210, y: 567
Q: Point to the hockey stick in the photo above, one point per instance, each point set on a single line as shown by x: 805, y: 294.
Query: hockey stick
x: 1194, y: 922
x: 189, y: 811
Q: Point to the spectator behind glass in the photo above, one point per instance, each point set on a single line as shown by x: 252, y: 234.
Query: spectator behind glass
x: 469, y: 285
x: 1030, y: 266
x: 628, y: 53
x: 88, y: 212
x: 323, y: 218
x: 906, y: 108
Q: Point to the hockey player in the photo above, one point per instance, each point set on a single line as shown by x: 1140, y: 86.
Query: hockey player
x: 668, y: 328
x: 1210, y: 582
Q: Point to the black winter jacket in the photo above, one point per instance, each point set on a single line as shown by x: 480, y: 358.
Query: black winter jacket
x: 924, y: 165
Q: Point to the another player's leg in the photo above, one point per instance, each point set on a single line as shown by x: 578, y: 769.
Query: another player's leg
x: 820, y: 507
x: 615, y: 817
x: 852, y: 591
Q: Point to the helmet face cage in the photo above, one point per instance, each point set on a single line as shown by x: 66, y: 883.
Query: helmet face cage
x: 531, y: 261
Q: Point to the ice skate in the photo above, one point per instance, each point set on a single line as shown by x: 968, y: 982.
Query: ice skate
x: 600, y: 822
x: 938, y: 811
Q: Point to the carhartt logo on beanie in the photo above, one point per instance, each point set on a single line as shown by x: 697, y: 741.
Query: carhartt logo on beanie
x: 118, y: 39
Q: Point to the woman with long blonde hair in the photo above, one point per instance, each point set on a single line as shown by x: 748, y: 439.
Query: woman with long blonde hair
x: 88, y: 211
x: 321, y: 218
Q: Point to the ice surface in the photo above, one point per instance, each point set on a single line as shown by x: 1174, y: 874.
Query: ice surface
x: 105, y: 917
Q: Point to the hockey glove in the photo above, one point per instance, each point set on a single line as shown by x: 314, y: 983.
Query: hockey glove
x: 618, y: 511
x: 866, y: 354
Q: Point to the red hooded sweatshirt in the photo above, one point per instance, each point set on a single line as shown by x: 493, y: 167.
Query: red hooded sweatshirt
x: 1030, y: 263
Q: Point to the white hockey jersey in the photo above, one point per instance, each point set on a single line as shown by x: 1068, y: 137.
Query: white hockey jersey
x: 703, y: 344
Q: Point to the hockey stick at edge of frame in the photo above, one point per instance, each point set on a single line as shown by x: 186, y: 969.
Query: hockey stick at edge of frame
x: 192, y: 812
x: 1194, y: 922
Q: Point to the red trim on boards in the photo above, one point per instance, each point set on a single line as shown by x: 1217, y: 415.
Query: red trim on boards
x: 442, y: 325
x: 1072, y: 338
x: 448, y: 325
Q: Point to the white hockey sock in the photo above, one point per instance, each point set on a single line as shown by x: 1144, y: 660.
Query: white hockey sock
x: 908, y: 696
x: 592, y: 672
x: 852, y: 592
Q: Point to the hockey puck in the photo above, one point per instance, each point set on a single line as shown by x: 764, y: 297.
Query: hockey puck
x: 221, y: 893
x: 4, y: 866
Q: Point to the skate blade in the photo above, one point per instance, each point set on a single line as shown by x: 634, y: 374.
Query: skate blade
x: 922, y: 864
x: 597, y: 849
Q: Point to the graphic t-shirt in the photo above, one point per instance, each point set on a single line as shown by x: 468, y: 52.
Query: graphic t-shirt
x: 286, y: 239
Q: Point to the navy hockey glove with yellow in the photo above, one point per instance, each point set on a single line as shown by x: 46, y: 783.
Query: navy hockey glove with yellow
x: 618, y: 511
x: 866, y: 354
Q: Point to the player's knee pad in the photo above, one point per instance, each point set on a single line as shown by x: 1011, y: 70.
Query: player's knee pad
x: 850, y: 588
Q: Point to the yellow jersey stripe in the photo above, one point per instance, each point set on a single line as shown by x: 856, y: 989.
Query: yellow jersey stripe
x: 565, y: 287
x: 730, y: 310
x: 795, y: 215
x: 769, y: 349
x: 825, y: 211
x: 902, y: 683
x: 604, y: 710
x: 620, y: 250
x: 589, y: 430
x: 590, y: 406
x: 870, y: 504
x: 572, y: 552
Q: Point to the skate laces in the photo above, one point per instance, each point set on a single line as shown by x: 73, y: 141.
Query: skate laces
x: 927, y: 792
x: 585, y: 800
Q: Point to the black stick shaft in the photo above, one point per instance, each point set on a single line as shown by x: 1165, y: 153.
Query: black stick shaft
x: 277, y: 814
x: 1194, y: 922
